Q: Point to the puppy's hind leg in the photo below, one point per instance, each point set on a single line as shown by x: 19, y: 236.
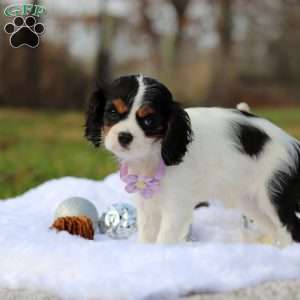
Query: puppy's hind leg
x: 267, y: 220
x: 263, y: 231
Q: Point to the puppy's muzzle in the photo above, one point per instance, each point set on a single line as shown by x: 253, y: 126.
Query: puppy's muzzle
x: 125, y: 138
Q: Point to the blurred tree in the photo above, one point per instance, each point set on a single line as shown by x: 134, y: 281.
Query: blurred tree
x: 225, y: 27
x: 147, y: 27
x: 104, y: 54
x: 2, y: 41
x: 180, y: 9
x: 28, y: 77
x: 224, y: 76
x: 32, y: 70
x: 31, y: 67
x: 285, y: 48
x: 221, y: 49
x: 166, y: 51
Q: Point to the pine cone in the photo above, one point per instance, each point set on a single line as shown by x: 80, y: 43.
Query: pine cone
x: 80, y: 225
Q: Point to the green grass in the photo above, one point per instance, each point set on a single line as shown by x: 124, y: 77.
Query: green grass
x: 288, y: 119
x: 36, y: 146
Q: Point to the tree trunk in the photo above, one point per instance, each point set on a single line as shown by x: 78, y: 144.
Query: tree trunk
x: 223, y: 83
x: 104, y: 60
x: 32, y: 68
x: 180, y: 9
x: 147, y: 27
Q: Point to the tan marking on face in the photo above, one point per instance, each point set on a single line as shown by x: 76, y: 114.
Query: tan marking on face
x: 145, y: 111
x: 120, y: 106
x: 106, y: 129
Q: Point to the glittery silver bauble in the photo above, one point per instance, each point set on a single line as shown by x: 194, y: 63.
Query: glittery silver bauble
x: 77, y: 206
x: 119, y: 221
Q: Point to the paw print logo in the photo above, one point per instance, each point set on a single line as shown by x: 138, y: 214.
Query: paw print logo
x: 24, y: 32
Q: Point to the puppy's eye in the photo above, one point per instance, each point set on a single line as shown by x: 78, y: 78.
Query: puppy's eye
x: 148, y: 121
x: 112, y: 114
x: 112, y: 111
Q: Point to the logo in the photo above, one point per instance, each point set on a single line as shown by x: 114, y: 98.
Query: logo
x: 24, y: 30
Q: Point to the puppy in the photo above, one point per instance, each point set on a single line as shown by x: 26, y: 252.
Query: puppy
x: 172, y: 159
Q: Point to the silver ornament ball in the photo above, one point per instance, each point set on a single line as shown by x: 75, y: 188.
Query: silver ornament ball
x: 119, y: 221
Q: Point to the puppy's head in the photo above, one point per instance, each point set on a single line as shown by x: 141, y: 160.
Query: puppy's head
x: 136, y: 117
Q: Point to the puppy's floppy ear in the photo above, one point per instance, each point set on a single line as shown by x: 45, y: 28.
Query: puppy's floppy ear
x: 94, y: 115
x: 178, y: 135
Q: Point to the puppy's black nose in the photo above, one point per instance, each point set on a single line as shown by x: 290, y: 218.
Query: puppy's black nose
x: 125, y: 138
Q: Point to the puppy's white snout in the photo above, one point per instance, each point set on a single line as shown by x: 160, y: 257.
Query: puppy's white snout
x: 125, y: 138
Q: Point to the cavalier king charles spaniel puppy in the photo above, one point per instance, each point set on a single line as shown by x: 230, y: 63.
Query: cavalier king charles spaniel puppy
x: 172, y: 159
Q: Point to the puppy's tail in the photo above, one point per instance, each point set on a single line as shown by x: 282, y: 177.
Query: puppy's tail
x: 243, y: 106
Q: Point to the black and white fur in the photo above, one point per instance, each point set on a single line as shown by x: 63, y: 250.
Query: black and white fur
x: 210, y: 153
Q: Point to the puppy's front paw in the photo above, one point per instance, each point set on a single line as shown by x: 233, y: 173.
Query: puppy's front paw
x: 266, y: 239
x: 146, y: 240
x: 170, y: 239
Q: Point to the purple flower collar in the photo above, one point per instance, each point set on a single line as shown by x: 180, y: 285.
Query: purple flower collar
x: 145, y: 185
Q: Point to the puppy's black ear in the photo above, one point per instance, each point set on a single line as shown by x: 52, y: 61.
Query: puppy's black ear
x: 94, y: 115
x: 178, y: 135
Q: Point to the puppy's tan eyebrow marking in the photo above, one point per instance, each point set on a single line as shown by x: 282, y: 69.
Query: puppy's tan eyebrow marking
x: 120, y: 106
x: 145, y: 111
x: 106, y: 129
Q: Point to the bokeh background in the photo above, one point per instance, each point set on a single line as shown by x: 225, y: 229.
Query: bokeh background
x: 209, y: 52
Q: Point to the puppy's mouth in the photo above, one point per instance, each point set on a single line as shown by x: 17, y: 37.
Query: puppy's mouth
x: 124, y: 149
x: 119, y: 151
x: 122, y: 154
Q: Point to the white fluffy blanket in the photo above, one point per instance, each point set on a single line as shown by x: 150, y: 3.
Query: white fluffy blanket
x: 32, y: 256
